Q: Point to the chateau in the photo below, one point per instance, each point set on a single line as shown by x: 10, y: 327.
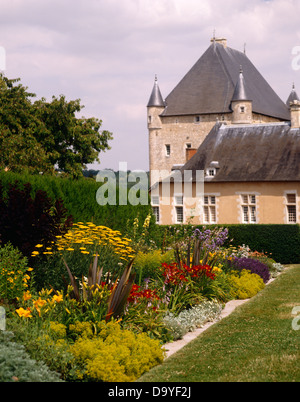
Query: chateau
x: 225, y: 120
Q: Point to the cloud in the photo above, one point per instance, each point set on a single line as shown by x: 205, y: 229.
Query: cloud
x: 107, y: 52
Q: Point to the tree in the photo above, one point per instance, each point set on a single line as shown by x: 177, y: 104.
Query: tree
x: 19, y: 147
x: 40, y: 135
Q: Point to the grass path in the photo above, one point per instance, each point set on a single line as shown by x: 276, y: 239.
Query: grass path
x: 255, y: 343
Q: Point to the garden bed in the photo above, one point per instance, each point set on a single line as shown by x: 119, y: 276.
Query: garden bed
x: 96, y: 305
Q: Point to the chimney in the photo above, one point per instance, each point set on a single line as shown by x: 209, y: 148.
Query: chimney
x: 190, y: 152
x: 222, y: 41
x: 295, y: 114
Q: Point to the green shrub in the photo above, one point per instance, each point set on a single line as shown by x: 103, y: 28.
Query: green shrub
x: 244, y: 284
x: 195, y: 317
x: 79, y: 198
x: 14, y: 278
x: 102, y: 352
x: 116, y: 354
x: 147, y: 265
x: 26, y: 220
x: 281, y: 242
x: 16, y: 364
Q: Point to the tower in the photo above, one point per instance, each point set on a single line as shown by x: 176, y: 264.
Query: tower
x: 292, y: 97
x: 241, y: 104
x: 155, y: 107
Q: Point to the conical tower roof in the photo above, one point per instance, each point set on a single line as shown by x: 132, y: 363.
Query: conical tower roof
x: 240, y: 93
x: 293, y: 96
x: 156, y: 99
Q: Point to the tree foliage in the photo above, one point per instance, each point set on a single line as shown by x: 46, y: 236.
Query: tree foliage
x: 40, y: 135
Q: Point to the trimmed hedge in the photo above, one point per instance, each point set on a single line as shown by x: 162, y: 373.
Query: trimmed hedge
x: 281, y: 242
x: 79, y: 198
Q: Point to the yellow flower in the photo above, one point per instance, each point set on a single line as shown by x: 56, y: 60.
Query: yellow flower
x: 39, y: 245
x: 39, y: 303
x: 26, y: 295
x: 24, y: 313
x: 57, y: 298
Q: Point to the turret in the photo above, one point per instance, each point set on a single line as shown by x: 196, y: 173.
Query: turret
x: 241, y: 104
x: 155, y: 107
x: 292, y: 97
x: 295, y: 113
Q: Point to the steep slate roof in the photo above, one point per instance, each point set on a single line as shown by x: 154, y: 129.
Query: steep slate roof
x: 245, y: 153
x: 209, y: 86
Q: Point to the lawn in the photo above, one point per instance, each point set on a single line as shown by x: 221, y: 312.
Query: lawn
x: 256, y: 343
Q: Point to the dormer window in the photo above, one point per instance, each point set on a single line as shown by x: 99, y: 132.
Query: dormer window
x: 211, y: 172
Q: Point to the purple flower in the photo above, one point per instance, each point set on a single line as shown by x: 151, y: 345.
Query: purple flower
x: 255, y: 266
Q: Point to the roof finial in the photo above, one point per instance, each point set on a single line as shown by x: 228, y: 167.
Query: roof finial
x: 155, y: 79
x: 241, y: 69
x: 293, y: 87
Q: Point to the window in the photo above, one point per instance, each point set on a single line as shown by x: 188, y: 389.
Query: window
x: 197, y: 119
x: 242, y: 109
x: 209, y: 209
x: 149, y: 119
x: 179, y: 208
x: 249, y: 208
x: 155, y: 207
x: 291, y: 208
x: 188, y: 146
x: 168, y: 149
x: 155, y: 200
x: 156, y: 213
x: 210, y: 172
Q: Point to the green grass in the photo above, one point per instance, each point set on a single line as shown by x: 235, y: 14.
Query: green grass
x: 256, y: 343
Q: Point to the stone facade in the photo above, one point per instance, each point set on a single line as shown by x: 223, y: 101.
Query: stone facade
x: 170, y: 137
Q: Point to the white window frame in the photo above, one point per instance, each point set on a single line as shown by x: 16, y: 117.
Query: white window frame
x: 291, y: 203
x: 155, y: 207
x: 178, y: 205
x: 248, y: 205
x: 211, y: 172
x: 210, y: 209
x: 156, y: 213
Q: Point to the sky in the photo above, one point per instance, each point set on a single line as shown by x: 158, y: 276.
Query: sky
x: 107, y: 52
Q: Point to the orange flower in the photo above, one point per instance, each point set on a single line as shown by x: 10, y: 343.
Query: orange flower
x: 24, y: 313
x: 57, y: 298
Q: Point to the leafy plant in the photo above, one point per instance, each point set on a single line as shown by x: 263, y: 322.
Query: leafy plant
x: 195, y: 317
x: 17, y: 366
x: 252, y: 265
x: 115, y: 354
x: 14, y: 273
x: 202, y: 247
x: 27, y: 220
x: 147, y: 264
x: 245, y: 284
x: 119, y: 289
